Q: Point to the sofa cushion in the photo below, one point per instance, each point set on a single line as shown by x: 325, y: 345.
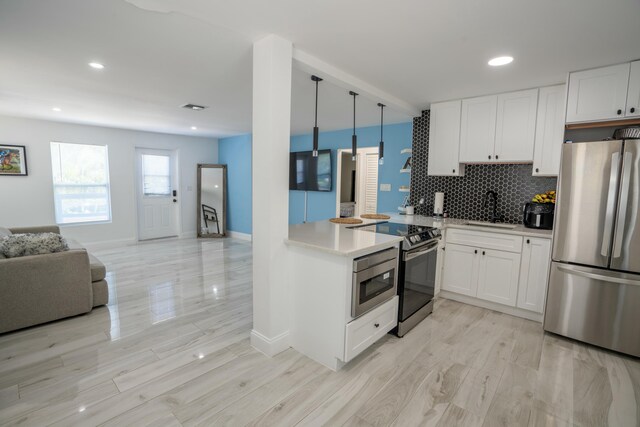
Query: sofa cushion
x: 4, y: 232
x: 17, y: 245
x: 98, y: 271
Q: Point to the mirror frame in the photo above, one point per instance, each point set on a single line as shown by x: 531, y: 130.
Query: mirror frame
x: 224, y: 200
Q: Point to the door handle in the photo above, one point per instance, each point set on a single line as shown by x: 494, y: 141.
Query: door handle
x: 622, y: 206
x: 175, y: 193
x: 579, y: 272
x: 175, y: 201
x: 611, y: 204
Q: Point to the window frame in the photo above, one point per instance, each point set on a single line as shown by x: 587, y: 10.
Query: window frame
x: 107, y: 186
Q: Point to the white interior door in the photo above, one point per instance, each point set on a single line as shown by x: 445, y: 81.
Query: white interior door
x: 157, y: 194
x: 367, y: 181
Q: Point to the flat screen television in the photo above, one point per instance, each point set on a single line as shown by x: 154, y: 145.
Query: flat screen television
x: 308, y: 173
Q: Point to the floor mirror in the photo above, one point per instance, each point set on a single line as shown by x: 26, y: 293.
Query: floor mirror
x: 212, y: 200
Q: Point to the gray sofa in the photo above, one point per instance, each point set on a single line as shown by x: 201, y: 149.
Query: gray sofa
x: 41, y: 288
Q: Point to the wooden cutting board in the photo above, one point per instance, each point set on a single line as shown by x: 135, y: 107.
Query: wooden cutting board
x: 346, y: 220
x: 375, y: 216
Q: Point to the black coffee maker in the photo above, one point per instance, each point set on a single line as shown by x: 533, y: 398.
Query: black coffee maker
x: 538, y: 215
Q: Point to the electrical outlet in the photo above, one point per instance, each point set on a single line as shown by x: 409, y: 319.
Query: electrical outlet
x: 385, y: 187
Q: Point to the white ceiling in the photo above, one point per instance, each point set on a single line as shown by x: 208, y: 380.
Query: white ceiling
x: 160, y: 54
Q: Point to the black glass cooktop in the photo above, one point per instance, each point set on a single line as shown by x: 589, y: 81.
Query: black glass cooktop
x: 396, y: 229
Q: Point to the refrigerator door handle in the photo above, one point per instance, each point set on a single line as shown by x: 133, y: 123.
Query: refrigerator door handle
x: 580, y: 272
x: 611, y: 205
x: 622, y: 207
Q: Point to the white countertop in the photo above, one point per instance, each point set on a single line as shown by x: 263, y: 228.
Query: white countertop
x: 427, y: 221
x: 341, y: 240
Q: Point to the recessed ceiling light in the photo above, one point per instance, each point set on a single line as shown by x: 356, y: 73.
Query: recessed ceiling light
x: 57, y: 109
x: 194, y: 128
x: 500, y: 60
x: 96, y: 65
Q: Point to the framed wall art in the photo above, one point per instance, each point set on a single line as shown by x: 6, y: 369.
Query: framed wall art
x: 13, y: 160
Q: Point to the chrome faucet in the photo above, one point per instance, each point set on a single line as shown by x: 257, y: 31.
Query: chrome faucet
x: 493, y: 217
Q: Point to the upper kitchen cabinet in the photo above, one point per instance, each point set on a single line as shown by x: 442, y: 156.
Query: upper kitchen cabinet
x: 598, y: 94
x: 633, y: 94
x: 478, y: 129
x: 516, y: 126
x: 549, y: 131
x: 444, y: 139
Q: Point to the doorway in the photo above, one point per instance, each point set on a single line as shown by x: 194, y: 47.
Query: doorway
x: 357, y: 182
x: 156, y: 193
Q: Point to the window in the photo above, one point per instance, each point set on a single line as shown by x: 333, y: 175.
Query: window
x: 80, y: 183
x: 156, y: 175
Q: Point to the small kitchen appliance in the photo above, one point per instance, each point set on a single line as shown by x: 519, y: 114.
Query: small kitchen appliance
x: 538, y: 215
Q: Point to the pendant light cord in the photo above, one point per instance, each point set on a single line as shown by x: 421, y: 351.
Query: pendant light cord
x: 316, y: 121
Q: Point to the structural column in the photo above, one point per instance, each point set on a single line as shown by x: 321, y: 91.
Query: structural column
x: 272, y: 61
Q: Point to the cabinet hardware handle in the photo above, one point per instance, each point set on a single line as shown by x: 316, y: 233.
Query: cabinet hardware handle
x: 482, y: 252
x: 443, y: 248
x: 496, y: 157
x: 475, y: 252
x: 537, y: 170
x: 528, y: 241
x: 489, y: 157
x: 453, y: 170
x: 376, y: 325
x: 632, y: 110
x: 619, y: 112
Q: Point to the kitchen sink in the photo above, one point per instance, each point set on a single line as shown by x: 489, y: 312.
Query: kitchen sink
x: 491, y: 225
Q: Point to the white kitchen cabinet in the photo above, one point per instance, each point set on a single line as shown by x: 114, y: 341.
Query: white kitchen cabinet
x: 633, y: 94
x: 498, y: 274
x: 369, y: 328
x: 460, y: 271
x: 549, y: 131
x: 598, y: 94
x: 534, y: 273
x: 515, y: 126
x: 444, y: 139
x: 478, y: 129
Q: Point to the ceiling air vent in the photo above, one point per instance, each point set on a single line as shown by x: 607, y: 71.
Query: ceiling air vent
x: 193, y: 107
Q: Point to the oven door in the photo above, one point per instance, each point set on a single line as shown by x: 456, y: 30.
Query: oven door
x: 373, y: 286
x: 418, y: 286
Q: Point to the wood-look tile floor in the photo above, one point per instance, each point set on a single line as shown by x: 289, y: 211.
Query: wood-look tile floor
x: 172, y: 348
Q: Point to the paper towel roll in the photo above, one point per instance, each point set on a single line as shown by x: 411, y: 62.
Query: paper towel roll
x: 438, y: 204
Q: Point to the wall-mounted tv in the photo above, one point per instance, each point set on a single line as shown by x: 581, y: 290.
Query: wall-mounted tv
x: 308, y: 173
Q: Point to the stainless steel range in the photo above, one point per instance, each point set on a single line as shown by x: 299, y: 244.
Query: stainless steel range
x: 416, y: 270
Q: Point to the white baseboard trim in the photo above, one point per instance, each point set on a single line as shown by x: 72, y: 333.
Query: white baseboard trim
x: 513, y: 311
x: 270, y: 346
x: 240, y: 236
x: 109, y: 244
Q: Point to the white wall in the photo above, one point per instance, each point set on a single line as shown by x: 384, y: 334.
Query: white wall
x: 26, y: 201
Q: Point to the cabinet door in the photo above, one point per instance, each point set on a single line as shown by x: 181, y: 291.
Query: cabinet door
x: 460, y: 272
x: 597, y: 94
x: 534, y: 273
x: 516, y: 126
x: 478, y: 129
x: 633, y: 95
x: 444, y: 139
x: 498, y: 276
x: 549, y: 131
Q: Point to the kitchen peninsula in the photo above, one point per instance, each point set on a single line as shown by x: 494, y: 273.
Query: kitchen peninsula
x: 497, y: 266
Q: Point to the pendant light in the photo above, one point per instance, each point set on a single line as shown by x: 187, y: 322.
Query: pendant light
x: 354, y: 138
x: 315, y: 127
x: 381, y: 149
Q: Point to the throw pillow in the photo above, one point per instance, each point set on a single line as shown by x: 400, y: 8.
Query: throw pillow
x: 17, y: 245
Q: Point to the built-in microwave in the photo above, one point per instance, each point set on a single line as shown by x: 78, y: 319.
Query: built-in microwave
x: 375, y: 280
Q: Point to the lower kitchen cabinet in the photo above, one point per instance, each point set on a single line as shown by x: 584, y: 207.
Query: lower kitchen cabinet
x: 534, y: 273
x: 503, y: 272
x: 498, y: 276
x: 460, y: 270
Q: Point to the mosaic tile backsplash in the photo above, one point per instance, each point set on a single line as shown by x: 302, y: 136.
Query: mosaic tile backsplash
x: 464, y: 195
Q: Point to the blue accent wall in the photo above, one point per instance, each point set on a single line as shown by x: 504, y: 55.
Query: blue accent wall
x: 322, y: 205
x: 235, y: 152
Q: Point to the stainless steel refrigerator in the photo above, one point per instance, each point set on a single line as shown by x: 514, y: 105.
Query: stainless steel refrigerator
x: 594, y: 284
